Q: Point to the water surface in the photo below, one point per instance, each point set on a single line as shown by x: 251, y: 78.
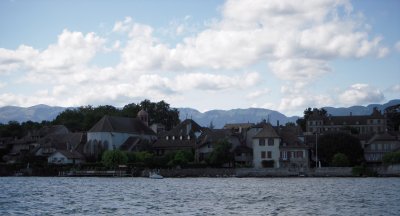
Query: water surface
x: 199, y: 196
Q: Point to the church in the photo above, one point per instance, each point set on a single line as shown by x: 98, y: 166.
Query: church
x: 114, y: 132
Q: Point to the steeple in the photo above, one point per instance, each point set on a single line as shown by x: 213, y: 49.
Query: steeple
x: 143, y: 116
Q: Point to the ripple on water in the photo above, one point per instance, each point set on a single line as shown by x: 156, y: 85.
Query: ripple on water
x: 199, y: 196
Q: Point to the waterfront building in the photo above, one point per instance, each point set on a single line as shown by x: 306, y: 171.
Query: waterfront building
x: 362, y: 124
x: 379, y: 145
x: 266, y: 148
x: 182, y: 137
x: 111, y: 132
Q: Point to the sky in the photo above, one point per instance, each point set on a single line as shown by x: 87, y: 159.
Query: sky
x: 208, y: 54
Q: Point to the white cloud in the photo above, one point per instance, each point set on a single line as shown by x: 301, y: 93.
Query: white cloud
x: 395, y: 88
x: 203, y: 81
x: 359, y: 94
x: 258, y: 93
x: 296, y: 41
x: 397, y: 46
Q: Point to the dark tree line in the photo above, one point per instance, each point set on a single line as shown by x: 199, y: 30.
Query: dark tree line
x: 309, y: 112
x: 15, y: 129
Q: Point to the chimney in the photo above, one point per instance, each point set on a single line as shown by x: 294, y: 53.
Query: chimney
x: 277, y: 123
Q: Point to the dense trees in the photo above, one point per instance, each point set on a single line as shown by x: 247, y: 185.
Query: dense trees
x: 309, y: 112
x: 113, y: 158
x: 15, y: 129
x: 393, y: 115
x: 340, y: 160
x: 333, y: 143
x: 83, y: 118
x: 391, y: 158
x: 221, y: 153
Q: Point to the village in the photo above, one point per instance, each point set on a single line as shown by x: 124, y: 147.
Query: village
x: 326, y: 145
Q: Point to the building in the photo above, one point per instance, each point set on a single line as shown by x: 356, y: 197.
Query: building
x: 379, y: 145
x: 66, y: 157
x: 365, y: 124
x: 266, y: 148
x: 182, y: 137
x: 211, y: 137
x: 294, y: 153
x: 111, y: 132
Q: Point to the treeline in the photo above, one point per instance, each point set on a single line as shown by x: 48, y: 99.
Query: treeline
x: 84, y: 117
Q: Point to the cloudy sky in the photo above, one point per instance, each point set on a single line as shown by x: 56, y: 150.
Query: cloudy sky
x: 208, y: 54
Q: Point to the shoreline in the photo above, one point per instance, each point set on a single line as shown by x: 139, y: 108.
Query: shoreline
x: 228, y: 172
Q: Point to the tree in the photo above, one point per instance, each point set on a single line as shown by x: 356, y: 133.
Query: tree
x: 391, y: 158
x: 221, y: 153
x: 83, y: 118
x: 181, y: 158
x: 393, y: 116
x: 113, y: 158
x: 309, y: 112
x: 333, y: 143
x: 340, y: 160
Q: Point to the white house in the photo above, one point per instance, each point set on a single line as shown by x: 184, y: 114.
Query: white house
x: 65, y: 157
x: 112, y: 131
x: 266, y: 148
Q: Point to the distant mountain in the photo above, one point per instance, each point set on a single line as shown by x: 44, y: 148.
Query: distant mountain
x: 221, y: 117
x: 36, y: 113
x: 359, y: 110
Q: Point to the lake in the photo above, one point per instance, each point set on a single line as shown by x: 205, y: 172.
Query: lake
x: 199, y: 196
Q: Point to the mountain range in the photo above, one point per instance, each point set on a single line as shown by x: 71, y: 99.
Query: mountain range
x: 218, y: 118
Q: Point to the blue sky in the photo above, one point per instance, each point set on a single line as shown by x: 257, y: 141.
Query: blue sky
x: 201, y: 54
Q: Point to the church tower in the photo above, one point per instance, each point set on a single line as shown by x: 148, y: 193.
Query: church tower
x: 143, y: 116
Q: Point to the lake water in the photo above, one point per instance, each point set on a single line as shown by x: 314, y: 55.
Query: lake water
x: 199, y: 196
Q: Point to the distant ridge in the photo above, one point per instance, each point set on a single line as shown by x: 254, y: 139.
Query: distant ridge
x: 36, y: 113
x: 219, y: 118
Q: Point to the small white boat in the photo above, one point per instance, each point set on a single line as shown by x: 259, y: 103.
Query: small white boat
x: 154, y: 175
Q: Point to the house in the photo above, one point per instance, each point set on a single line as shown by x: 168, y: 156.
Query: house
x: 362, y: 124
x: 65, y: 157
x: 20, y: 148
x: 210, y: 137
x: 379, y: 145
x: 266, y: 148
x: 182, y: 137
x: 238, y: 127
x: 294, y: 153
x: 60, y: 142
x: 110, y: 132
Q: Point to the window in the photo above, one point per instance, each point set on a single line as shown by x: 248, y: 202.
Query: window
x: 166, y: 137
x: 263, y: 154
x: 271, y: 141
x: 300, y: 154
x: 269, y: 154
x: 261, y: 142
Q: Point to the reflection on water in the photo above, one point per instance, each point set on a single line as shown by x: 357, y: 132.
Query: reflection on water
x: 199, y: 196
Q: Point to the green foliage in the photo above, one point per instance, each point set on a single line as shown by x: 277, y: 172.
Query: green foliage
x: 267, y: 163
x: 221, y: 153
x: 83, y: 118
x: 393, y: 117
x: 113, y: 158
x: 333, y: 143
x: 181, y: 158
x: 142, y: 158
x: 290, y: 124
x: 363, y: 171
x: 340, y: 160
x: 391, y: 158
